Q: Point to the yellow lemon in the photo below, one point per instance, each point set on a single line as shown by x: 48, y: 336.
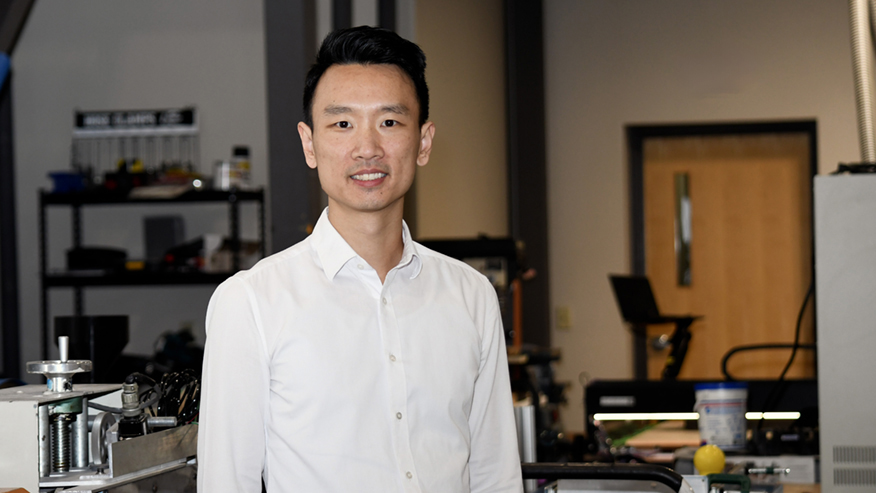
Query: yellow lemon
x: 709, y: 459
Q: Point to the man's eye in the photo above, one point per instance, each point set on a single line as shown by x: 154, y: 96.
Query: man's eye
x: 343, y: 124
x: 389, y: 123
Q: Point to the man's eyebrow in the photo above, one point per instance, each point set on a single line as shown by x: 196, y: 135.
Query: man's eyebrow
x: 398, y: 109
x: 336, y: 110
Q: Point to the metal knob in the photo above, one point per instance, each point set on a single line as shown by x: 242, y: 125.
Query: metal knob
x: 661, y: 342
x: 59, y: 373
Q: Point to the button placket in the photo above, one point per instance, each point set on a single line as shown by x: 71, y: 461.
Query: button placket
x: 398, y: 385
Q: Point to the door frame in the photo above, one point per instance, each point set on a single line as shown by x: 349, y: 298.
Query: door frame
x: 635, y: 138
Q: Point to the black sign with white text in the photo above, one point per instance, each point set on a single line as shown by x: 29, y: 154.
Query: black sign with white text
x: 146, y: 120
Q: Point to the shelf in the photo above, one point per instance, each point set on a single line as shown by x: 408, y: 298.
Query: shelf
x: 132, y: 278
x: 106, y: 197
x: 79, y: 280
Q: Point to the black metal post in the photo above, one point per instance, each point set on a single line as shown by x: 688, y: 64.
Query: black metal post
x: 527, y: 169
x: 44, y: 294
x: 8, y: 239
x: 386, y: 14
x: 234, y: 224
x: 342, y: 14
x: 264, y: 242
x: 290, y: 50
x: 78, y: 295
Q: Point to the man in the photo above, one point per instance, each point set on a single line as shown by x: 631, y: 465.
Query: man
x: 358, y: 360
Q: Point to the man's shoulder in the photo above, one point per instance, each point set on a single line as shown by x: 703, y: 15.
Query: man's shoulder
x: 454, y: 267
x: 280, y: 263
x: 443, y: 260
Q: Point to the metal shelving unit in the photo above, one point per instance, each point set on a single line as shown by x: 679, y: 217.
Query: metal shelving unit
x: 79, y: 280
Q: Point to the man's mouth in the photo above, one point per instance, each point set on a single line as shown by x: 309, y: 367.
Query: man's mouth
x: 368, y: 176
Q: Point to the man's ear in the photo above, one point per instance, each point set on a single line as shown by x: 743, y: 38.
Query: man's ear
x: 306, y: 134
x: 427, y: 133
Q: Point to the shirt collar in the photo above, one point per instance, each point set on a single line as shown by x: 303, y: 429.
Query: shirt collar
x: 334, y: 252
x: 410, y: 257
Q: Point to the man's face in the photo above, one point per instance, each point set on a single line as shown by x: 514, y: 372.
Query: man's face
x: 365, y: 141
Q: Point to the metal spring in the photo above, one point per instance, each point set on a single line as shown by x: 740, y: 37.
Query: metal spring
x: 61, y: 442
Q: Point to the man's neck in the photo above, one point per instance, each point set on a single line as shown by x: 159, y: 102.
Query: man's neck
x: 374, y: 236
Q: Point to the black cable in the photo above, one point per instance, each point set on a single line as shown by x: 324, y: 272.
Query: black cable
x: 140, y: 379
x: 178, y: 394
x: 798, y: 330
x: 101, y: 407
x: 855, y: 168
x: 143, y: 405
x: 145, y: 395
x: 148, y: 392
x: 181, y: 395
x: 775, y: 394
x: 755, y: 347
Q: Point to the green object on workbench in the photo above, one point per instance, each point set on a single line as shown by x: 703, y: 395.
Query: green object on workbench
x: 743, y: 481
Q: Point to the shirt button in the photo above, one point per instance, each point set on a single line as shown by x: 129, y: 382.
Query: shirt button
x: 391, y: 357
x: 384, y: 301
x: 409, y: 475
x: 398, y: 415
x: 360, y: 266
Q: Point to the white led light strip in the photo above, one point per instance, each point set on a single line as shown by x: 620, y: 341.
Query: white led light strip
x: 684, y: 416
x: 644, y: 416
x: 757, y: 416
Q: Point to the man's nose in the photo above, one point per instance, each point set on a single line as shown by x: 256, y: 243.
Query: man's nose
x: 368, y: 145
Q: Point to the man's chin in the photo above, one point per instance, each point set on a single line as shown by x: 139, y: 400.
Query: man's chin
x: 366, y: 206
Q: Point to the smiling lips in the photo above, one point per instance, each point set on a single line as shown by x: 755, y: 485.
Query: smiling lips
x: 366, y: 177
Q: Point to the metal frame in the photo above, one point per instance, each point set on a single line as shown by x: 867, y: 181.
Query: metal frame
x: 650, y: 474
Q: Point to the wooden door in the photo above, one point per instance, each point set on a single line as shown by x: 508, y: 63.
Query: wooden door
x: 750, y: 250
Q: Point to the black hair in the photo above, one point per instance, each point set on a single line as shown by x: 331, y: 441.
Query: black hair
x: 366, y: 45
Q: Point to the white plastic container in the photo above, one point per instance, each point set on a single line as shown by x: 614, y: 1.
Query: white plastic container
x: 722, y: 406
x: 227, y: 176
x: 240, y: 165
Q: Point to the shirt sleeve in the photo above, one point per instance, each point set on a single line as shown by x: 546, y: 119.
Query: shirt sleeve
x: 234, y: 393
x: 494, y: 464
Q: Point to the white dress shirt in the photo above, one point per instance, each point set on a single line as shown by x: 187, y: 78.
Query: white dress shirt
x: 322, y: 379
